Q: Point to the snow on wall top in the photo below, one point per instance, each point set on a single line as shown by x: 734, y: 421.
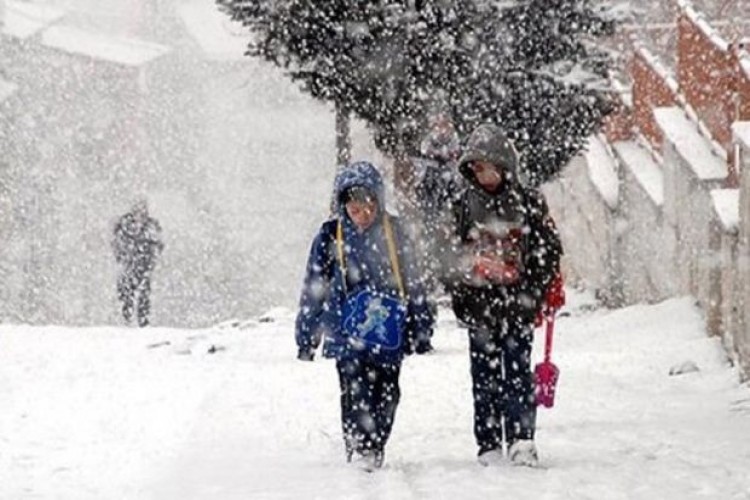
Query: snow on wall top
x: 24, y: 19
x: 645, y: 170
x: 698, y: 20
x: 653, y: 61
x: 602, y: 171
x: 727, y: 206
x: 741, y: 132
x: 127, y: 51
x: 745, y: 64
x: 6, y: 89
x: 693, y: 147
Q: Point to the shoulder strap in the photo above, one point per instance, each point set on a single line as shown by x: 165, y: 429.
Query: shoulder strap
x: 340, y: 250
x: 393, y: 254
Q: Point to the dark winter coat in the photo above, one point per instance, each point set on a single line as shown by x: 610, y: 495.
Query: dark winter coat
x: 436, y: 187
x: 368, y: 266
x: 137, y: 244
x: 520, y: 218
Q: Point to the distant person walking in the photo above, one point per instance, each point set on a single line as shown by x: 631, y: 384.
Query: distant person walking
x: 437, y: 187
x: 136, y: 244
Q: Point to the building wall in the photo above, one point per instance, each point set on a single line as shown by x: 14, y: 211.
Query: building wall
x: 706, y: 73
x: 587, y: 227
x: 651, y: 89
x: 740, y: 270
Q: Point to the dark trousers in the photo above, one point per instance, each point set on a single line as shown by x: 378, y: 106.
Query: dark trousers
x: 502, y: 383
x: 134, y: 289
x: 369, y: 397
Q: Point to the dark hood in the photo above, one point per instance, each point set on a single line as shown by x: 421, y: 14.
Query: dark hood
x: 363, y: 174
x: 489, y: 143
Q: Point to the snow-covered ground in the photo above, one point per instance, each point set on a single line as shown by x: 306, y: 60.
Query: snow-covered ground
x: 229, y: 413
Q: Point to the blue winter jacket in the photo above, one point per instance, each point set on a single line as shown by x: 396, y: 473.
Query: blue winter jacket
x: 368, y: 266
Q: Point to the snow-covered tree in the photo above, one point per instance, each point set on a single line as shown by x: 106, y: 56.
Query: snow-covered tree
x: 527, y: 65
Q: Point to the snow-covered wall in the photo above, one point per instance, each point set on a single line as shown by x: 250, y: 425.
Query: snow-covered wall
x: 648, y: 240
x: 583, y: 202
x: 740, y: 331
x: 691, y: 171
x: 674, y: 230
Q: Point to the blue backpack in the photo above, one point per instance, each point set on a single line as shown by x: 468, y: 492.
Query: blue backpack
x: 374, y: 321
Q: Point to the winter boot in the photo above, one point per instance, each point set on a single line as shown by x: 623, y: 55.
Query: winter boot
x: 523, y: 452
x: 490, y: 458
x: 368, y: 460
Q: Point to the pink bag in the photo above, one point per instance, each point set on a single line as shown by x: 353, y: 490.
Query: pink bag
x: 546, y: 373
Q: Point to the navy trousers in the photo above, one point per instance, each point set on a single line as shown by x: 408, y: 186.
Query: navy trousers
x: 369, y: 397
x: 502, y: 384
x: 133, y: 289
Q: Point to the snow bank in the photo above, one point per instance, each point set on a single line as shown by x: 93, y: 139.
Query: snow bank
x: 644, y: 169
x: 727, y: 206
x: 603, y: 171
x: 690, y: 145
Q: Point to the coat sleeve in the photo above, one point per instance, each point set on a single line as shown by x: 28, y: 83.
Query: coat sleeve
x: 315, y: 315
x: 544, y: 249
x: 420, y: 319
x: 119, y: 243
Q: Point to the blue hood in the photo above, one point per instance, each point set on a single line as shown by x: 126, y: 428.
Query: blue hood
x: 362, y: 174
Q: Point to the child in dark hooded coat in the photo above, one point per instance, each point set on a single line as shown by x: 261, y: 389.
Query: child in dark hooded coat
x: 506, y: 254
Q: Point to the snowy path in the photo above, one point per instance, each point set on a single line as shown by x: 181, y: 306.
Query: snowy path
x: 94, y: 413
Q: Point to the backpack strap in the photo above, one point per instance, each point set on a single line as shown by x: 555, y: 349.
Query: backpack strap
x: 392, y: 253
x: 340, y: 250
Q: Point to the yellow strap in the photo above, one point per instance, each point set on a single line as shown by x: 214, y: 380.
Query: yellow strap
x: 391, y: 252
x: 340, y: 249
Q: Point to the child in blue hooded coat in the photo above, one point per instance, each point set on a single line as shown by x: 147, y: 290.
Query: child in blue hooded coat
x: 362, y: 251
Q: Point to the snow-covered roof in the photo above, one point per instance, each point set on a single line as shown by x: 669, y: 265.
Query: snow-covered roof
x: 727, y: 207
x: 6, y: 89
x: 127, y: 51
x: 219, y: 37
x: 603, y: 171
x: 693, y: 147
x: 645, y: 170
x: 24, y: 19
x: 741, y: 132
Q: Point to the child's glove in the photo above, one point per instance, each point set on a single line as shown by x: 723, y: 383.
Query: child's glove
x: 495, y: 271
x: 554, y: 298
x: 305, y: 354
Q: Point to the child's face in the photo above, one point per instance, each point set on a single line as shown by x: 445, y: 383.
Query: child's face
x: 488, y: 175
x: 362, y: 213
